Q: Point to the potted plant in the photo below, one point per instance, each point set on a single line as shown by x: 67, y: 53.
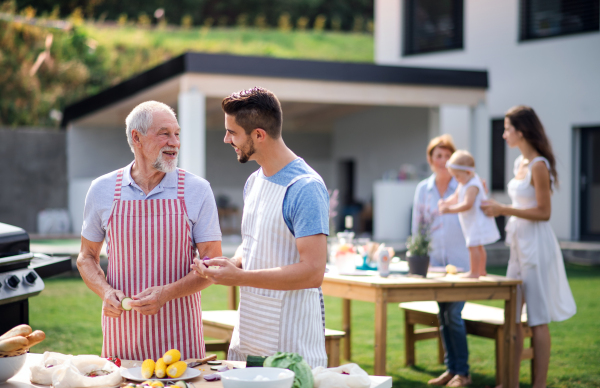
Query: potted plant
x: 419, y: 245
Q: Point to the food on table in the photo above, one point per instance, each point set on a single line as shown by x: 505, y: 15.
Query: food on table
x: 349, y: 375
x: 212, y: 377
x: 97, y: 373
x: 42, y: 373
x: 35, y: 338
x: 345, y: 248
x: 114, y: 360
x: 252, y: 361
x: 126, y: 303
x: 17, y: 331
x: 214, y: 362
x: 148, y: 368
x: 451, y: 269
x: 294, y: 362
x: 172, y: 356
x: 176, y: 369
x: 18, y: 340
x: 12, y: 344
x: 68, y: 371
x: 181, y: 384
x: 153, y: 383
x: 160, y: 369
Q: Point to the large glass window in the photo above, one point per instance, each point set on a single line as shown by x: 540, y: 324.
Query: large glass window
x: 432, y: 25
x: 546, y: 18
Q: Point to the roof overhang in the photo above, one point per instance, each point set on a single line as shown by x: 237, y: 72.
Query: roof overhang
x: 218, y: 75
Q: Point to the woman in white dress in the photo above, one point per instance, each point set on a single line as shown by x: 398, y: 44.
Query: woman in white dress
x: 535, y: 255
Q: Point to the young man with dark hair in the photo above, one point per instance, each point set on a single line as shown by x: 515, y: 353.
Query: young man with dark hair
x: 285, y: 224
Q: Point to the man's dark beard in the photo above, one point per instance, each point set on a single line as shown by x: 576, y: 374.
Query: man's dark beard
x: 245, y: 156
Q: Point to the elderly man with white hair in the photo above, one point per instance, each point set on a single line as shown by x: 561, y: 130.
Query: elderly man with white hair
x: 154, y: 217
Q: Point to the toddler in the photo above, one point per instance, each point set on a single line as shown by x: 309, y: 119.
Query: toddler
x: 477, y: 228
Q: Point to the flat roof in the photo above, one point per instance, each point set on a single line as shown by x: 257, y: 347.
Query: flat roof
x: 274, y: 67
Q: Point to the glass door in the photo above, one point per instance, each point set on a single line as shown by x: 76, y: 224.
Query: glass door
x: 590, y: 184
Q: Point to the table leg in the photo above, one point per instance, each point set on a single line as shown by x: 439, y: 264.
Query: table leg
x: 509, y: 376
x: 380, y: 331
x: 346, y: 319
x: 232, y: 298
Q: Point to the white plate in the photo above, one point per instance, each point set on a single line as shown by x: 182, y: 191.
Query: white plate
x: 135, y: 374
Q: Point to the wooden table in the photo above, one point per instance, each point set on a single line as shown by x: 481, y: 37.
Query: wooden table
x: 21, y: 380
x: 437, y: 287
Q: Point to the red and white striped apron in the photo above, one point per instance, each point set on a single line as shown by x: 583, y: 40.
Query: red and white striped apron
x: 149, y: 244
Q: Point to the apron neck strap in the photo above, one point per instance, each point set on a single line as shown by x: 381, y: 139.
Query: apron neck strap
x: 118, y: 185
x: 180, y: 183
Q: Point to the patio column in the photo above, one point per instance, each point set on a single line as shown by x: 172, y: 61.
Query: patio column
x: 192, y: 120
x: 455, y: 120
x: 481, y: 135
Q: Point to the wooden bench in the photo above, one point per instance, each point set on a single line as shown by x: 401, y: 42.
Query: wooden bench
x: 480, y: 320
x: 219, y: 324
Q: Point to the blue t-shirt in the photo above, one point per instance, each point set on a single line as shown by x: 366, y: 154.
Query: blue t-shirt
x: 306, y: 202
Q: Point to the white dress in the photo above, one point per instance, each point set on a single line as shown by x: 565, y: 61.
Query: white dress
x: 536, y: 258
x: 477, y: 228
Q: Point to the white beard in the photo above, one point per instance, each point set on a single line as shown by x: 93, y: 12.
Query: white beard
x: 164, y: 165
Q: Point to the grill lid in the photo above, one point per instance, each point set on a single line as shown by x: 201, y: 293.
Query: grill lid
x: 13, y: 240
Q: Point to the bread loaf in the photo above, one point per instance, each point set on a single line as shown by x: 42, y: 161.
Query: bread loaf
x: 12, y: 344
x: 21, y: 330
x: 35, y: 338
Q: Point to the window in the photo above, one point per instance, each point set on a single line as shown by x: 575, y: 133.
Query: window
x: 432, y: 25
x: 547, y: 18
x: 498, y: 156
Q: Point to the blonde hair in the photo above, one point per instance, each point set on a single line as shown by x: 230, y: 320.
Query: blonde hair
x: 443, y: 141
x: 462, y: 158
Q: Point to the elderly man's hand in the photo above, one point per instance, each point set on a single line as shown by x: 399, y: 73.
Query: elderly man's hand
x: 149, y: 301
x: 111, y: 303
x: 227, y: 274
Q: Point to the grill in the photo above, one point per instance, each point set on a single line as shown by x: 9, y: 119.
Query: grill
x: 22, y: 274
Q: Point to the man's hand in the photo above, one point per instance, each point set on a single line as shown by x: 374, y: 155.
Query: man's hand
x: 111, y: 303
x: 149, y: 301
x: 227, y: 274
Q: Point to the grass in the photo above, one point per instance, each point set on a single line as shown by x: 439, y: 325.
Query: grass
x: 333, y: 46
x: 70, y: 315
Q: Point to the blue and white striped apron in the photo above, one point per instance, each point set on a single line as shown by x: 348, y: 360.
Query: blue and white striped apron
x: 274, y: 320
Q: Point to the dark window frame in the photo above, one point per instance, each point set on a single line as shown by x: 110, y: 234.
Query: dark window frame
x: 408, y: 22
x: 497, y: 156
x: 524, y: 27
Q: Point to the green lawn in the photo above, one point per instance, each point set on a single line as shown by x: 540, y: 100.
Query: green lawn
x: 70, y: 315
x: 328, y: 45
x: 129, y: 50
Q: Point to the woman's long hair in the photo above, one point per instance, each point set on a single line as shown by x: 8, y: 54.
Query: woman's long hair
x: 524, y: 119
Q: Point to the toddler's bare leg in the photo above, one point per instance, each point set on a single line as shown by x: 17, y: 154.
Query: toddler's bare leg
x: 474, y: 258
x: 483, y: 261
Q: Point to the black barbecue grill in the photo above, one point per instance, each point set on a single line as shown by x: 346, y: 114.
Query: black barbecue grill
x: 21, y: 274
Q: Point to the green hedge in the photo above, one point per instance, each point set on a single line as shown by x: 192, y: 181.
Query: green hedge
x: 343, y: 15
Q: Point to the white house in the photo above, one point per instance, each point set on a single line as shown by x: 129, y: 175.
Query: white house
x: 541, y: 53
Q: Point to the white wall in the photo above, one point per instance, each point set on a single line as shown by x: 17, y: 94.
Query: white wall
x: 227, y: 176
x: 559, y: 77
x: 380, y: 139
